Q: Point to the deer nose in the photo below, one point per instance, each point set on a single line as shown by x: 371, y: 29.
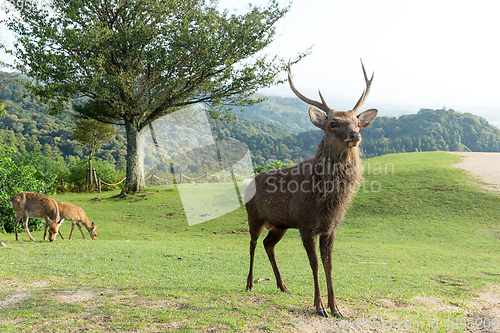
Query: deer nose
x: 355, y: 136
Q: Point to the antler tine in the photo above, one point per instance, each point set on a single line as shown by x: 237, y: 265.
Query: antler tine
x: 321, y: 106
x: 366, y: 91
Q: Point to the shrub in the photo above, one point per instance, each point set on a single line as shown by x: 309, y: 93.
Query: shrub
x: 104, y: 170
x: 15, y: 178
x: 47, y: 169
x: 271, y: 166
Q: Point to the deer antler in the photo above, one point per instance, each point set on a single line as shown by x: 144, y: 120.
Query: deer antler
x: 321, y: 106
x: 366, y: 91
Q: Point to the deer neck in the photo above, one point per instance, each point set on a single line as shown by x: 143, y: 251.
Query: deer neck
x: 338, y: 171
x: 328, y: 154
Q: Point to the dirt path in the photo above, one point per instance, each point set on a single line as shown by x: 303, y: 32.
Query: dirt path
x: 486, y: 166
x: 483, y: 165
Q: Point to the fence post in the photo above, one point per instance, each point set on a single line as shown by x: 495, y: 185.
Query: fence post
x: 180, y: 177
x: 99, y: 185
x: 95, y: 175
x: 152, y: 178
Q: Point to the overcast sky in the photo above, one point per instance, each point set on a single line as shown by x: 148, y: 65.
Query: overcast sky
x: 425, y: 53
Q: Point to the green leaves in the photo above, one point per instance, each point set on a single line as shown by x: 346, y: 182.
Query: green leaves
x: 15, y: 178
x: 146, y: 58
x: 92, y: 134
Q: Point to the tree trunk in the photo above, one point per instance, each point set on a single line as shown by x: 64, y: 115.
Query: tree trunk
x: 91, y: 175
x: 135, y: 159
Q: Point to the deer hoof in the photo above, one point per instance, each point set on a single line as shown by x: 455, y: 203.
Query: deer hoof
x: 249, y: 289
x: 323, y: 313
x: 338, y: 315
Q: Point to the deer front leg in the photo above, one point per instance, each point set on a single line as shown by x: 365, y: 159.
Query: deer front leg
x: 16, y: 221
x: 255, y: 230
x: 25, y: 225
x: 273, y: 237
x: 81, y: 231
x: 253, y: 245
x: 309, y: 242
x: 326, y: 247
x: 72, y: 227
x: 46, y: 227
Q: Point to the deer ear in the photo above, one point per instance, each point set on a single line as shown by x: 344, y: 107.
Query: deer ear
x: 367, y: 117
x: 318, y: 118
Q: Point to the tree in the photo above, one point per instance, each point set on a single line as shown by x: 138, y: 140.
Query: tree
x: 91, y: 134
x: 140, y: 60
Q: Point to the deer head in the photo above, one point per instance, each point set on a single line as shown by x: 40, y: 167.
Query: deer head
x: 341, y: 127
x: 93, y: 231
x: 53, y: 229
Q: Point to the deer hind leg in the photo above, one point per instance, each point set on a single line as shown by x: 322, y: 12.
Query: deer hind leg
x: 255, y: 230
x: 25, y: 225
x: 273, y: 237
x: 309, y: 242
x: 326, y: 247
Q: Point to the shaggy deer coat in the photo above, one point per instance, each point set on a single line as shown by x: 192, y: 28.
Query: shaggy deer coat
x: 312, y: 196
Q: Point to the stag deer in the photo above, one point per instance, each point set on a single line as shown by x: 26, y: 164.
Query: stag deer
x: 36, y: 206
x: 313, y: 195
x: 78, y: 217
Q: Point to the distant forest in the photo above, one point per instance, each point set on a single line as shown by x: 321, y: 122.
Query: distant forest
x: 428, y: 130
x: 278, y: 129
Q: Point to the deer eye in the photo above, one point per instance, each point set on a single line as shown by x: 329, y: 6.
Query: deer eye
x: 333, y: 124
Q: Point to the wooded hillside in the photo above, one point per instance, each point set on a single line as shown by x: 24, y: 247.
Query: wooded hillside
x: 275, y: 127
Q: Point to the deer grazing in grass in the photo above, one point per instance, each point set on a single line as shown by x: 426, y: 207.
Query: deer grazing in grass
x: 28, y: 205
x: 78, y: 218
x: 312, y: 196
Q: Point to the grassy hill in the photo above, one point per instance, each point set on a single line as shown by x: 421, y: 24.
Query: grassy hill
x: 418, y: 245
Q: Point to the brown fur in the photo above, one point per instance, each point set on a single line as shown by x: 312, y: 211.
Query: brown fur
x: 37, y: 206
x: 312, y: 196
x: 78, y: 218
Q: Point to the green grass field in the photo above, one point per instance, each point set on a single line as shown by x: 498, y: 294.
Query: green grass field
x: 419, y: 244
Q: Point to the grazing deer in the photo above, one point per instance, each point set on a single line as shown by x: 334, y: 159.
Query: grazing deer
x: 313, y: 195
x: 36, y: 206
x: 78, y: 217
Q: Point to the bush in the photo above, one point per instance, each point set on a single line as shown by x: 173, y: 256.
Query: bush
x: 104, y: 170
x: 47, y: 169
x: 15, y: 178
x: 271, y: 166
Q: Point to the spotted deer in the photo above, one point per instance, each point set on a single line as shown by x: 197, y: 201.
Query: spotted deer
x: 78, y: 218
x: 33, y: 205
x: 312, y: 196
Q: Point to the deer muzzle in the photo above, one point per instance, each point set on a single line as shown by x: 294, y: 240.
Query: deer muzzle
x: 353, y: 140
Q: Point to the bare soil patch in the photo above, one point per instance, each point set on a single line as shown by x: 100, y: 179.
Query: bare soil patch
x: 486, y: 166
x: 487, y: 317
